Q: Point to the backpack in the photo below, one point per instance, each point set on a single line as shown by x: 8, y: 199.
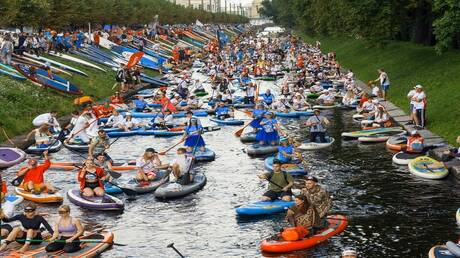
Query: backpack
x: 284, y: 174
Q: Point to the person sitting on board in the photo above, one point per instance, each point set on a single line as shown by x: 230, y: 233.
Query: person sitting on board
x: 452, y: 153
x: 99, y: 144
x: 29, y: 229
x: 198, y: 86
x: 78, y: 135
x: 250, y: 93
x: 226, y: 97
x: 176, y: 102
x: 369, y: 107
x: 148, y: 165
x: 91, y: 179
x: 130, y: 123
x: 192, y: 103
x: 115, y: 120
x: 299, y: 103
x: 67, y: 230
x: 269, y: 133
x: 42, y: 136
x: 106, y: 163
x: 33, y: 174
x: 192, y: 135
x: 280, y: 184
x: 223, y: 112
x: 381, y: 118
x: 116, y: 99
x: 163, y: 120
x: 316, y: 88
x: 4, y: 189
x: 301, y: 217
x: 140, y: 105
x: 286, y: 151
x: 318, y: 126
x: 318, y: 198
x: 326, y: 98
x: 349, y: 98
x: 268, y: 97
x: 281, y: 105
x: 180, y: 168
x: 415, y: 143
x: 257, y: 114
x: 68, y: 128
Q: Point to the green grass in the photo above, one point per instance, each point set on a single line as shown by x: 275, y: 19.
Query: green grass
x: 408, y: 64
x: 20, y: 102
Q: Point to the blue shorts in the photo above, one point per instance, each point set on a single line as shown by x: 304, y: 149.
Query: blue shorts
x: 385, y: 87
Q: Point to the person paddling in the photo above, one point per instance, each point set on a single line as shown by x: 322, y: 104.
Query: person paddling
x: 280, y: 184
x: 302, y: 214
x: 67, y: 230
x: 318, y: 126
x: 148, y: 166
x: 257, y: 114
x: 286, y: 151
x: 29, y: 230
x: 90, y: 178
x: 180, y: 168
x: 33, y: 174
x: 99, y: 144
x: 192, y: 135
x: 269, y: 133
x: 318, y: 197
x: 223, y: 112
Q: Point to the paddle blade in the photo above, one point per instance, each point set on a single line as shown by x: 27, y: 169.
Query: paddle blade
x: 114, y: 174
x: 239, y: 132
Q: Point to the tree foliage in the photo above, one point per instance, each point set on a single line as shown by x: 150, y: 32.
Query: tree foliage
x: 429, y: 22
x: 64, y: 14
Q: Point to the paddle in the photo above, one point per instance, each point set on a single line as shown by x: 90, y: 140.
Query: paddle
x: 177, y: 251
x: 126, y: 191
x: 170, y: 148
x: 18, y: 180
x: 74, y: 134
x: 240, y: 131
x: 64, y: 241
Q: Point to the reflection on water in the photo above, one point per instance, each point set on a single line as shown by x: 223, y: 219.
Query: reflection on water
x: 392, y: 214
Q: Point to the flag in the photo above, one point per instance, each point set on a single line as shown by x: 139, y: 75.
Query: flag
x: 134, y: 59
x: 198, y: 23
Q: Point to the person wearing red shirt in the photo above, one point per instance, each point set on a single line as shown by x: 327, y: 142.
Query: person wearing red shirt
x: 116, y: 99
x: 33, y: 173
x: 4, y: 189
x: 90, y: 178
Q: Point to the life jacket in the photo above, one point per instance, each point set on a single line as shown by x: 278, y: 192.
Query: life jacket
x: 294, y: 234
x: 83, y: 100
x: 415, y: 144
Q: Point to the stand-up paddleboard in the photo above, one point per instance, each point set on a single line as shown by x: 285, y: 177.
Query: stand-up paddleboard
x: 77, y: 60
x: 427, y: 167
x: 11, y: 156
x: 11, y: 72
x: 9, y: 206
x: 60, y: 65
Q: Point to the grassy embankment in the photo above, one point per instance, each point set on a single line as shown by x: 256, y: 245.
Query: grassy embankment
x: 21, y: 101
x: 408, y: 64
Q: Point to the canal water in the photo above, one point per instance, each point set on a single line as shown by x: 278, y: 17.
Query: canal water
x: 391, y: 213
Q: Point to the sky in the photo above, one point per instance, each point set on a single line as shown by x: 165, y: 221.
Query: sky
x: 243, y: 2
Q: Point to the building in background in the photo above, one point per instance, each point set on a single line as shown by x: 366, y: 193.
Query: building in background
x: 227, y: 6
x: 254, y: 9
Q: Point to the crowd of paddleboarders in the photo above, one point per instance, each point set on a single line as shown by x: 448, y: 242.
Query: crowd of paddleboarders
x: 306, y: 83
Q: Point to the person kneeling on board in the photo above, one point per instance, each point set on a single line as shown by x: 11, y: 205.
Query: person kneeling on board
x: 181, y: 168
x: 223, y: 111
x: 286, y: 151
x: 302, y: 216
x: 280, y: 184
x: 318, y: 198
x: 33, y: 176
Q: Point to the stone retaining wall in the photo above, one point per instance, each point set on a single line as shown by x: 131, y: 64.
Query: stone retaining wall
x: 401, y: 118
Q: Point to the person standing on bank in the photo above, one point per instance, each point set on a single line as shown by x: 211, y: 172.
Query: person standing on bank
x: 384, y: 82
